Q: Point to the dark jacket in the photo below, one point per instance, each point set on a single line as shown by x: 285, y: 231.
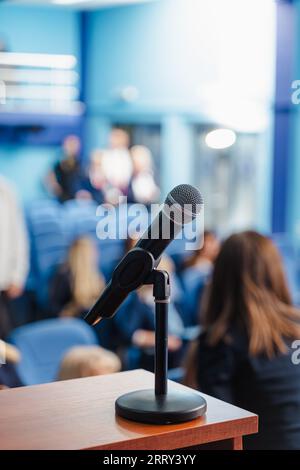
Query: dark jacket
x: 9, y: 376
x: 60, y: 291
x: 69, y: 180
x: 267, y: 387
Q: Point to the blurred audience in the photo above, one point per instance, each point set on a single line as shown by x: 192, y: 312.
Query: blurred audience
x: 142, y: 187
x: 235, y: 294
x: 66, y: 178
x: 112, y: 173
x: 87, y: 361
x: 14, y: 253
x: 243, y: 356
x: 77, y: 283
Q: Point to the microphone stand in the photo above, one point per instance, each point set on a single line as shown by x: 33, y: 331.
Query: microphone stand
x: 159, y: 406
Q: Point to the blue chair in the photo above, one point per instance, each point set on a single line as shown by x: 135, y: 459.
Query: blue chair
x: 80, y: 217
x: 43, y: 345
x: 48, y: 234
x: 111, y: 252
x: 176, y: 374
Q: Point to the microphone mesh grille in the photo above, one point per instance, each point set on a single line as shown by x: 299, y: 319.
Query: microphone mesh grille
x: 186, y: 194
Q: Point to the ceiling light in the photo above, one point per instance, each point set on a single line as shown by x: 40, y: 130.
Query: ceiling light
x: 220, y: 138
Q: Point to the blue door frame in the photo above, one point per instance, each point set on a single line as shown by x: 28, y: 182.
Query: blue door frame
x: 283, y: 109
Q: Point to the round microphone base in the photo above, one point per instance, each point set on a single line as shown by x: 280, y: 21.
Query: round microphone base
x: 177, y: 406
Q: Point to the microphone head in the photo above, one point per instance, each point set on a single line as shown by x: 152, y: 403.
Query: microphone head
x: 188, y: 200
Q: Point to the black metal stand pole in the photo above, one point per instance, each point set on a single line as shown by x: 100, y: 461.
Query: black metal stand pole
x: 161, y: 347
x: 160, y: 406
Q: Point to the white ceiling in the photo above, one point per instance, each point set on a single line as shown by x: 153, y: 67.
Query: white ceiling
x: 80, y: 4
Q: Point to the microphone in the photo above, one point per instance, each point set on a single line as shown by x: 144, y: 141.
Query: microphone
x: 181, y: 206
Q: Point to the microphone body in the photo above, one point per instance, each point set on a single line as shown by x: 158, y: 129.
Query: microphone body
x: 159, y: 234
x: 181, y: 206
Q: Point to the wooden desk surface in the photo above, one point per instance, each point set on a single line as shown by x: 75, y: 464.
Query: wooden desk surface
x: 79, y: 414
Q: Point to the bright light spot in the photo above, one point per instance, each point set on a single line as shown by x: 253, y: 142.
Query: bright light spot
x: 67, y: 2
x: 25, y: 59
x: 220, y: 138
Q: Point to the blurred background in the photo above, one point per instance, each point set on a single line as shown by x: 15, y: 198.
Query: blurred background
x: 107, y: 98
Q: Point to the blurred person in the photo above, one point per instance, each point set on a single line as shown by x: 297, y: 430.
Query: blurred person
x: 142, y: 188
x: 66, y: 178
x: 195, y: 272
x: 77, y: 284
x: 116, y: 162
x: 88, y: 361
x: 244, y: 355
x: 8, y: 374
x: 98, y: 184
x: 14, y: 253
x: 203, y: 258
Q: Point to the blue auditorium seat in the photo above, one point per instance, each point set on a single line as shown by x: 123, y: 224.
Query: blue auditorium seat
x: 52, y: 229
x: 82, y: 220
x: 48, y: 234
x: 176, y: 374
x: 80, y: 217
x: 43, y: 345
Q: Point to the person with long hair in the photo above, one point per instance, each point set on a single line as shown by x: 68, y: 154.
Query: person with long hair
x: 78, y: 282
x: 244, y: 354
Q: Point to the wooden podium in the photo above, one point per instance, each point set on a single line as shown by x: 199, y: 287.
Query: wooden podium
x: 80, y: 414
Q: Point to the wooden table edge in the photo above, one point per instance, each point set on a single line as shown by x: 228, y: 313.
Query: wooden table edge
x: 226, y: 430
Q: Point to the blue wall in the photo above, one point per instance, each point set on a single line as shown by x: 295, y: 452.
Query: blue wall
x: 27, y: 167
x: 151, y: 46
x: 173, y: 52
x: 42, y: 30
x: 39, y: 29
